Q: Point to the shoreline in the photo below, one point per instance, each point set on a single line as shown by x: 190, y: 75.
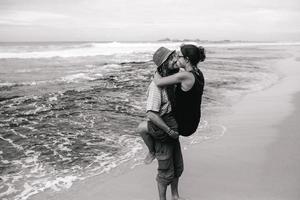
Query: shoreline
x: 243, y: 164
x: 259, y: 154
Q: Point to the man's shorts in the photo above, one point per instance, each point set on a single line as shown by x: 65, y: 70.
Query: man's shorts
x: 170, y: 161
x: 167, y: 151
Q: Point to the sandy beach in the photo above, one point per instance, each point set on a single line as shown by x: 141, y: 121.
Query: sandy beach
x: 257, y: 158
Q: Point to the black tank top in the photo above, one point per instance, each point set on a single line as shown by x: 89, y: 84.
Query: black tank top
x: 188, y: 105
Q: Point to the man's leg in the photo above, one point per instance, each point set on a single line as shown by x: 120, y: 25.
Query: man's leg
x: 149, y: 141
x: 178, y: 166
x: 174, y: 189
x: 165, y: 169
x: 162, y: 190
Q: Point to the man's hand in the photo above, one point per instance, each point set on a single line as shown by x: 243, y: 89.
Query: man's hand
x: 156, y: 77
x: 173, y: 134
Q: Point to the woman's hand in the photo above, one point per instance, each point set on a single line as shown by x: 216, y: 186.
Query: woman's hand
x: 156, y: 77
x: 173, y: 134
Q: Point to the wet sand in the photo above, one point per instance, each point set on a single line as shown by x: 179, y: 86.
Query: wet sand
x: 257, y: 158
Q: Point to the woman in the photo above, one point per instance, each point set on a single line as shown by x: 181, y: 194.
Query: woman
x: 189, y: 88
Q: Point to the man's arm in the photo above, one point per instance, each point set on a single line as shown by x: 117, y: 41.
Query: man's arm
x: 153, y: 108
x: 157, y: 120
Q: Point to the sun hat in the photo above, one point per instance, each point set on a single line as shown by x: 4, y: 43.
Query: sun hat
x: 161, y: 55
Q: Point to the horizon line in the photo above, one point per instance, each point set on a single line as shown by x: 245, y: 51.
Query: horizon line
x: 160, y: 40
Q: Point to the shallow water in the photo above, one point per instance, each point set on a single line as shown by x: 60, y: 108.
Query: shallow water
x: 69, y: 112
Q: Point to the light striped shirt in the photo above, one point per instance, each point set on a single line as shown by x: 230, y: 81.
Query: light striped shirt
x: 157, y: 100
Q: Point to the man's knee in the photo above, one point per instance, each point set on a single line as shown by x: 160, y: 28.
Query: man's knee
x: 142, y: 128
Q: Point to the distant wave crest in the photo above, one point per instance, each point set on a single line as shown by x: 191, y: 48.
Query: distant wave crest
x: 66, y: 50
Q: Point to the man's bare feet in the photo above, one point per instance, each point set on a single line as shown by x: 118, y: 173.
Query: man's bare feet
x: 178, y: 198
x: 149, y: 158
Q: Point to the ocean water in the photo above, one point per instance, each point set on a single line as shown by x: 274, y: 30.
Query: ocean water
x: 69, y: 111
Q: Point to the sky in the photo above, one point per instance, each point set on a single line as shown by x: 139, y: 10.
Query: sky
x: 149, y: 20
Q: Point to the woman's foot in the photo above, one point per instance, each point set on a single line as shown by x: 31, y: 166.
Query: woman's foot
x: 149, y: 158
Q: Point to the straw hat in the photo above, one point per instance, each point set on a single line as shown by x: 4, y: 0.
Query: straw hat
x: 161, y: 55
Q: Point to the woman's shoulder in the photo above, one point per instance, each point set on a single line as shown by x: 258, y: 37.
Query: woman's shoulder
x: 188, y: 80
x: 199, y: 77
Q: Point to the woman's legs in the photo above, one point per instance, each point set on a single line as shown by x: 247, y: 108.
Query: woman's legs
x: 149, y: 141
x: 143, y: 131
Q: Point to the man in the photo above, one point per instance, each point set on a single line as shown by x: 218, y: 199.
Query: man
x: 160, y: 132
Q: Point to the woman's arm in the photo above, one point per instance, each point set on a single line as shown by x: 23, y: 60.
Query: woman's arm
x: 170, y: 80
